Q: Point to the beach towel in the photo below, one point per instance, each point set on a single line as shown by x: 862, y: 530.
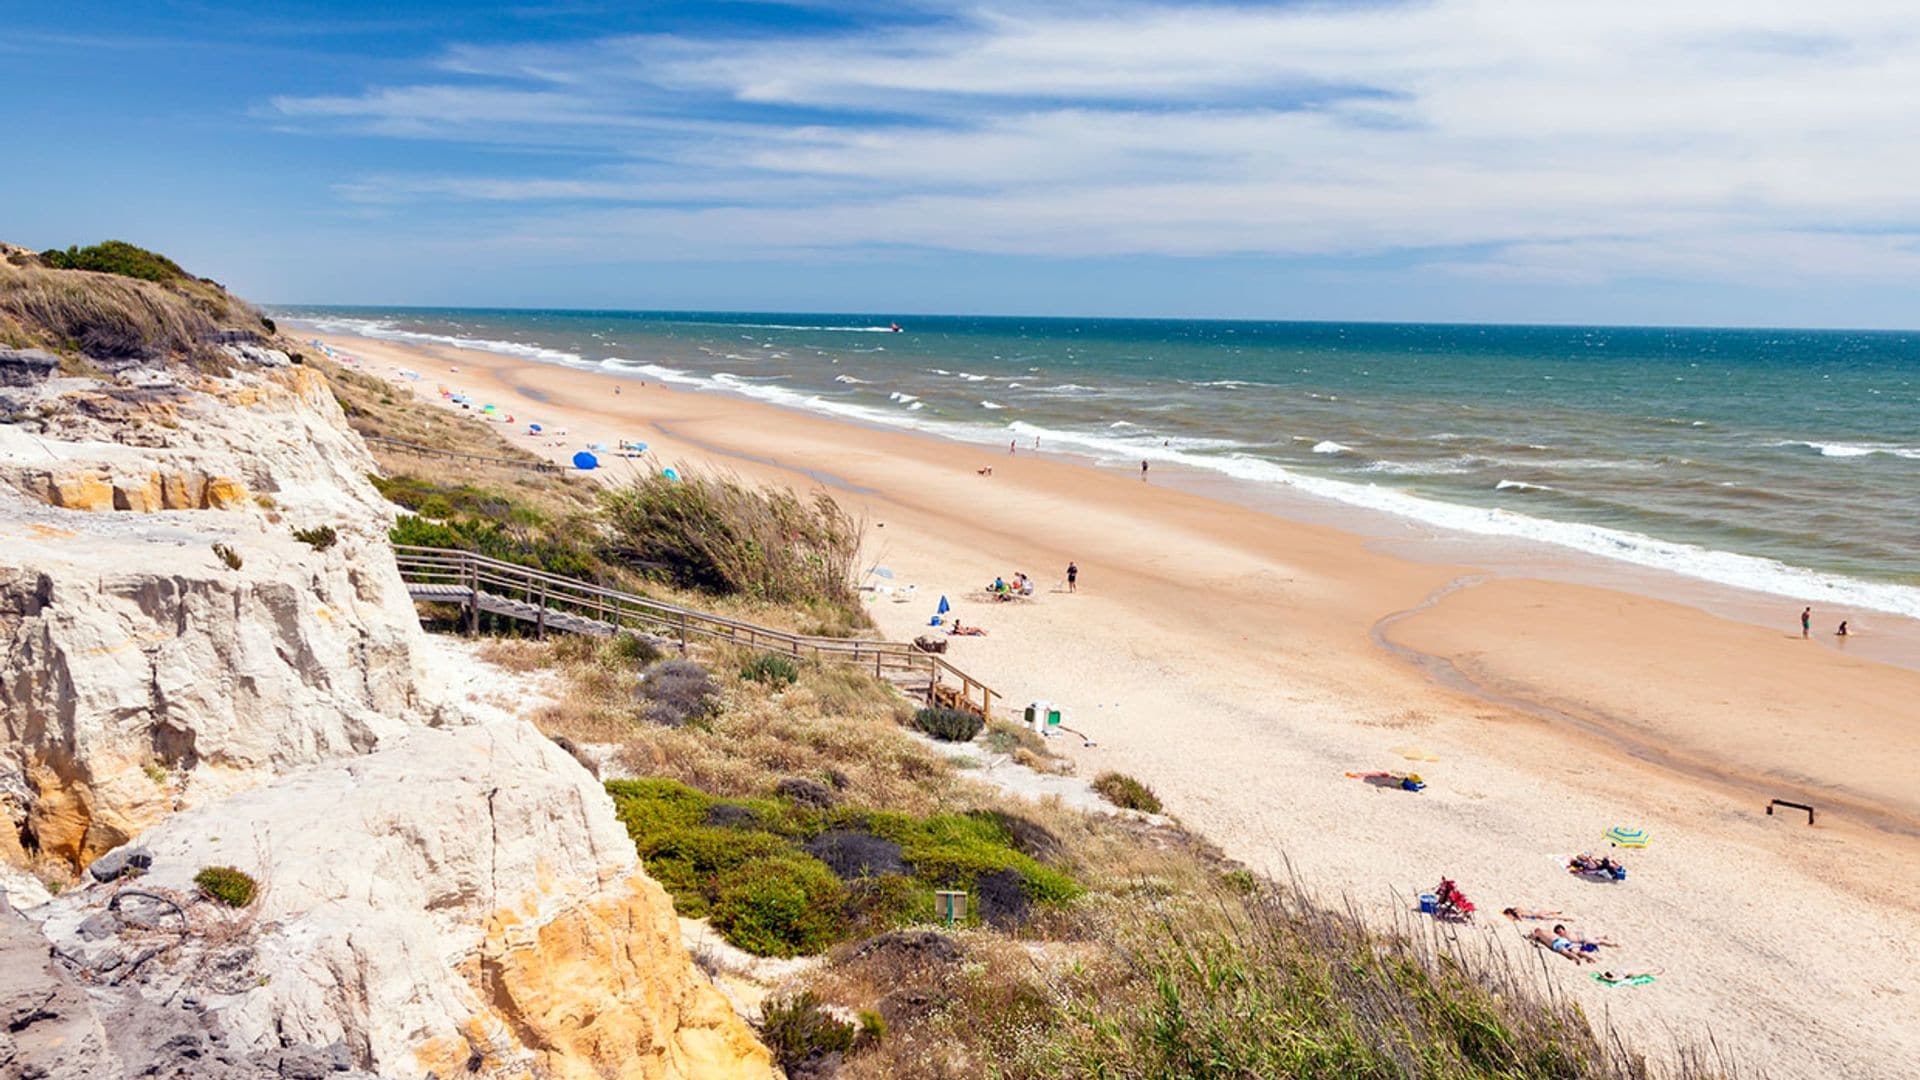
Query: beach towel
x: 1637, y: 980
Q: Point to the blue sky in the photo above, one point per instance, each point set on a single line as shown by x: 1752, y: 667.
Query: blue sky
x: 1459, y: 160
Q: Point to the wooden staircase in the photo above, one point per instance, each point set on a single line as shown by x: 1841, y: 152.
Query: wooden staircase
x: 554, y: 602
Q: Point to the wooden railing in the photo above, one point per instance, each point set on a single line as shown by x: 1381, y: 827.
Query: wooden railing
x: 477, y: 574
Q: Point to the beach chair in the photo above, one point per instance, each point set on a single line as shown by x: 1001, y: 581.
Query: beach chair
x: 1450, y: 903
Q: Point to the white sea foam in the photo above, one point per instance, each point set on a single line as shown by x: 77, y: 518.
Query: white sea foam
x: 848, y: 379
x: 1854, y: 450
x: 991, y: 405
x: 903, y: 398
x: 1520, y: 485
x: 1328, y: 446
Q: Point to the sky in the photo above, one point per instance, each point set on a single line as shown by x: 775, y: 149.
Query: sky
x: 1713, y: 163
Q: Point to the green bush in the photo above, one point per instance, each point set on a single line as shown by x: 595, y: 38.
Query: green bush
x: 772, y: 669
x: 1125, y: 792
x: 695, y: 863
x: 319, y: 538
x: 948, y: 725
x: 952, y: 851
x: 799, y: 1032
x: 116, y: 257
x: 788, y: 905
x: 224, y: 884
x: 633, y: 649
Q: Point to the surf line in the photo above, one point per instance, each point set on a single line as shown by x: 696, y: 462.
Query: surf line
x: 1610, y: 731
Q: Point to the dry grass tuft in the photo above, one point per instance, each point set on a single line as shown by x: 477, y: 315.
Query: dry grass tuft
x: 109, y: 317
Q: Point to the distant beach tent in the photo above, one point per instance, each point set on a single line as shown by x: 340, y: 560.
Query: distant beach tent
x: 670, y: 474
x: 1621, y: 836
x: 533, y: 429
x: 944, y: 606
x: 585, y: 460
x: 486, y: 408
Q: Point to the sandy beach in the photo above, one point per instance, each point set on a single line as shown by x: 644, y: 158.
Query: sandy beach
x: 1242, y: 662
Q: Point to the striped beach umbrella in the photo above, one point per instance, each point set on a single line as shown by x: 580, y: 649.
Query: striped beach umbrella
x: 1621, y: 836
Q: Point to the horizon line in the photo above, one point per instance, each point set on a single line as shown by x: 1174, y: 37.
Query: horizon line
x: 1239, y: 319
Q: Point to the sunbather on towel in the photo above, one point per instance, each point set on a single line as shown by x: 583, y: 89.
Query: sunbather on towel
x: 1587, y: 944
x: 965, y: 631
x: 1565, y: 946
x: 1625, y: 976
x: 1531, y: 914
x: 1585, y: 863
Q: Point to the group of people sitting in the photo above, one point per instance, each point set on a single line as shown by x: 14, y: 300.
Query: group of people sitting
x: 1002, y: 589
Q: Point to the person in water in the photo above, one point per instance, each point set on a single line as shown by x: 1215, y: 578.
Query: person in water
x: 1143, y: 470
x: 1806, y: 622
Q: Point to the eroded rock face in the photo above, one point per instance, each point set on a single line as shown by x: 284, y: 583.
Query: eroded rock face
x: 460, y: 902
x: 140, y: 669
x: 438, y: 895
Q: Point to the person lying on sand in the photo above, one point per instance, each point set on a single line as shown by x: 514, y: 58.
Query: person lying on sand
x: 1625, y: 976
x: 1565, y: 946
x: 1585, y: 863
x: 1587, y: 944
x: 1531, y: 914
x: 965, y: 631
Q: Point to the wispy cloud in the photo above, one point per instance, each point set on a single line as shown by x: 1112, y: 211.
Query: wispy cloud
x: 1564, y: 142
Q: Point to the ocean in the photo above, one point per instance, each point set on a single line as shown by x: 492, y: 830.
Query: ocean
x: 1786, y: 461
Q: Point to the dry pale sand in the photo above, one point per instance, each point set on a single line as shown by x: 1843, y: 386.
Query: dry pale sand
x: 1241, y: 663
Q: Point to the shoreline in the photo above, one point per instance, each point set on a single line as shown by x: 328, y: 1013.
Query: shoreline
x: 1883, y: 610
x: 1244, y: 732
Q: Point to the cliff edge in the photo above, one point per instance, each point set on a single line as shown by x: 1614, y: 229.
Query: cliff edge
x: 208, y: 659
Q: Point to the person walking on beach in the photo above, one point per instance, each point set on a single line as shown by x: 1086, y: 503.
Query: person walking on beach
x: 1073, y: 578
x: 1011, y: 444
x: 1143, y: 471
x: 1806, y: 623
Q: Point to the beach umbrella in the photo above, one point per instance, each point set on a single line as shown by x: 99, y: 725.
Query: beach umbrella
x: 944, y: 606
x: 1621, y: 836
x: 533, y: 429
x: 669, y: 474
x: 584, y: 460
x: 486, y: 408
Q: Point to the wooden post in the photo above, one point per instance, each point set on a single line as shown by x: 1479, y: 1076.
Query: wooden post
x: 473, y: 599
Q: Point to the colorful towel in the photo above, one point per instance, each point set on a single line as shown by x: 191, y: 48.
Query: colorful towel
x: 1637, y: 980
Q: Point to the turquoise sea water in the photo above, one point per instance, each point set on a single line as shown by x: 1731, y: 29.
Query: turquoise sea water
x: 1781, y: 460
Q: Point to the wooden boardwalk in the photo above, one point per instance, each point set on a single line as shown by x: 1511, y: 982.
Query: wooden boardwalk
x: 553, y: 602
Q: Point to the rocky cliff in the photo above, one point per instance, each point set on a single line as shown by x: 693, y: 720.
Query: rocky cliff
x: 186, y: 683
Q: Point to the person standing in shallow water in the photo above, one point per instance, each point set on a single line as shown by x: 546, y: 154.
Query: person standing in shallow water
x: 1143, y: 470
x: 1806, y: 622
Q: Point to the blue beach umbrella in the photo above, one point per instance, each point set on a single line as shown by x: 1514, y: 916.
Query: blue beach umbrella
x: 533, y: 429
x: 944, y: 608
x: 669, y: 474
x: 584, y: 460
x: 1621, y: 836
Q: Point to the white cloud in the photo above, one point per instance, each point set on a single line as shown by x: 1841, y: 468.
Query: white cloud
x: 1550, y: 139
